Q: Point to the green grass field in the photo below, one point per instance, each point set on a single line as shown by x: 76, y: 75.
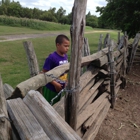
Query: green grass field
x: 13, y: 62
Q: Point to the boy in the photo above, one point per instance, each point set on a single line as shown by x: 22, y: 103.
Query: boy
x: 55, y: 59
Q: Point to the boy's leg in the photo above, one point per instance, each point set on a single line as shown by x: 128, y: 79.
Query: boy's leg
x: 49, y: 95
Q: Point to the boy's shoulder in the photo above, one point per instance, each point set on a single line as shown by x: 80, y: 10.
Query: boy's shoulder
x: 52, y: 55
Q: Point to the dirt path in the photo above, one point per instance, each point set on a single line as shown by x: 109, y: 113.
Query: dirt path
x: 123, y: 123
x: 25, y: 36
x: 5, y: 38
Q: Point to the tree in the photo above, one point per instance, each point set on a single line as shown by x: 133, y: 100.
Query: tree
x: 91, y: 20
x: 48, y: 16
x: 14, y: 9
x: 121, y: 14
x: 60, y: 14
x: 37, y: 13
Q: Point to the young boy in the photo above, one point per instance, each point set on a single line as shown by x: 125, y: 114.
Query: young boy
x: 55, y: 59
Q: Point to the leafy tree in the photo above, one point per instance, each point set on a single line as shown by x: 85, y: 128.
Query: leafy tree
x: 121, y: 14
x: 14, y: 9
x: 91, y: 20
x: 3, y: 7
x: 27, y: 13
x: 69, y: 18
x: 37, y: 13
x: 48, y: 16
x: 60, y: 14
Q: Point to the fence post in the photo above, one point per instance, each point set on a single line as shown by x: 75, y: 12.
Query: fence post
x: 106, y: 40
x: 119, y: 37
x: 100, y: 42
x: 77, y: 34
x: 112, y: 79
x: 32, y: 59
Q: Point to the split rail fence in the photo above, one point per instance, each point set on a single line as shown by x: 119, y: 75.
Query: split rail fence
x: 33, y: 118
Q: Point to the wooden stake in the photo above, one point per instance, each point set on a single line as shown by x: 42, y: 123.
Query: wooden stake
x: 112, y: 80
x: 32, y: 59
x: 77, y: 32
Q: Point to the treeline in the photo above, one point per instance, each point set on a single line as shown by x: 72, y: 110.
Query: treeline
x: 121, y: 14
x: 15, y: 9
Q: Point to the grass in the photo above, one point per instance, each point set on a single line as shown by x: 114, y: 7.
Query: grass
x: 32, y: 23
x: 13, y: 62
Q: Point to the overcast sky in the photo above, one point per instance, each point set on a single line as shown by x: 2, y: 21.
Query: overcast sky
x: 66, y: 4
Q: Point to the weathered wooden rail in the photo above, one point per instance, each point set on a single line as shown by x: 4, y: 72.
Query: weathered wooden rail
x: 34, y: 118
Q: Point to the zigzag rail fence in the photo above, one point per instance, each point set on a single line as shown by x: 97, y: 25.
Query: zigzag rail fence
x: 32, y: 117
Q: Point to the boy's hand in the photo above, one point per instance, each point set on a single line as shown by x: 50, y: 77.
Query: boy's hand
x: 58, y: 87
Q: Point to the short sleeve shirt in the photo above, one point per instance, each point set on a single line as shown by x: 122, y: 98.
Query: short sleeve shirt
x: 52, y: 61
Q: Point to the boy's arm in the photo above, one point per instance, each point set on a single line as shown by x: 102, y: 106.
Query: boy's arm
x: 58, y: 86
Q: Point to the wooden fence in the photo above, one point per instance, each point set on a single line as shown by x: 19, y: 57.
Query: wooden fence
x: 34, y: 118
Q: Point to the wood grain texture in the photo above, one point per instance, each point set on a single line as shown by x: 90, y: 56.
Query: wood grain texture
x: 31, y: 57
x: 24, y: 121
x: 89, y: 110
x: 52, y: 123
x: 5, y: 127
x: 8, y: 90
x: 93, y: 130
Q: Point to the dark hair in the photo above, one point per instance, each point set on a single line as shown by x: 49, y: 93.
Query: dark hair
x: 59, y: 38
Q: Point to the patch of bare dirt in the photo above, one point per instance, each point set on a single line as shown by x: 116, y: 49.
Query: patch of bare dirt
x: 123, y: 122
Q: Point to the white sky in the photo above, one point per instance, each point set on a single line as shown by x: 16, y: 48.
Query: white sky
x: 66, y: 4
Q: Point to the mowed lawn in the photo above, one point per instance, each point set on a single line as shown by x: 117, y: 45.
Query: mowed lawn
x: 13, y: 62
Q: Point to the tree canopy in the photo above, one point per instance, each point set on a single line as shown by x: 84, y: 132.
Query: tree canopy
x: 121, y: 14
x: 16, y: 10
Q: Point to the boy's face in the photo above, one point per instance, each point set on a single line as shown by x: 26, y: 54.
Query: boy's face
x: 63, y: 47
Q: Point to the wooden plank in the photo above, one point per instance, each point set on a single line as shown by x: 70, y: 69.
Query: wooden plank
x: 89, y: 110
x: 5, y: 127
x: 87, y: 87
x: 118, y: 83
x: 87, y: 77
x: 90, y: 121
x: 103, y: 73
x: 119, y: 66
x: 8, y: 90
x: 86, y: 95
x: 31, y: 57
x: 54, y: 126
x: 24, y: 121
x: 118, y: 60
x: 117, y: 89
x: 59, y: 107
x: 89, y: 101
x: 104, y: 59
x: 92, y: 132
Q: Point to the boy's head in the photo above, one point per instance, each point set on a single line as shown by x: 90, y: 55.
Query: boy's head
x: 59, y: 39
x: 62, y: 44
